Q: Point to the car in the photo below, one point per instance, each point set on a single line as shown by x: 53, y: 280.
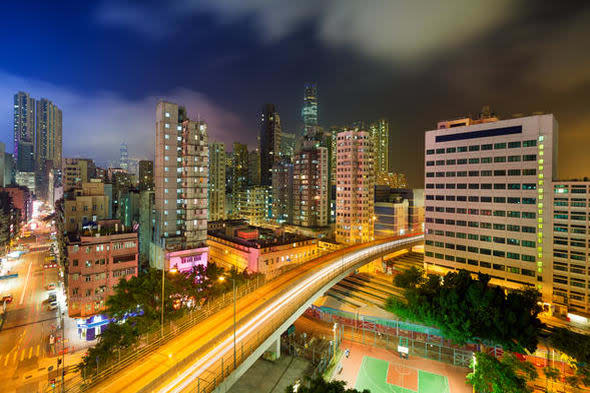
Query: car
x: 49, y: 265
x: 52, y: 306
x: 6, y: 298
x: 50, y: 286
x: 51, y: 297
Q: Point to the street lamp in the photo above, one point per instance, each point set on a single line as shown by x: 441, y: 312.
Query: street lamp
x: 233, y: 280
x: 173, y: 270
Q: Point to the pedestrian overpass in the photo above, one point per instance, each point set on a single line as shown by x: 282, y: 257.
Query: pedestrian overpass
x: 204, y: 359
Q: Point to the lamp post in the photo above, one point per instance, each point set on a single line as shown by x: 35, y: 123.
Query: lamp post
x: 173, y: 270
x: 233, y: 280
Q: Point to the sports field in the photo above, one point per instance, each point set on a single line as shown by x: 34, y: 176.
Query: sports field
x: 383, y: 371
x: 380, y: 376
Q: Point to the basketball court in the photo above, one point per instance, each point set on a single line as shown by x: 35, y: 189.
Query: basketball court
x: 384, y: 371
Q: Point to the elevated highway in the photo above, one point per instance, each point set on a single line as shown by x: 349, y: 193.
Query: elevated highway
x: 202, y: 358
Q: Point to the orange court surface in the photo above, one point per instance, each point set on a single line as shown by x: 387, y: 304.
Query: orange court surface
x: 384, y: 371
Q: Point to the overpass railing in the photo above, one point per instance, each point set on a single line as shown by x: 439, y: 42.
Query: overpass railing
x: 215, y: 370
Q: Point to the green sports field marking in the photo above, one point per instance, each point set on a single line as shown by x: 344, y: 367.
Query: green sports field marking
x: 372, y: 375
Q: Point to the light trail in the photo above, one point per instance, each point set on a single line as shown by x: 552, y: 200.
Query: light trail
x: 22, y: 296
x: 193, y: 372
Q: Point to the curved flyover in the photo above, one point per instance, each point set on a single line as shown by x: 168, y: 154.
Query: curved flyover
x: 202, y: 359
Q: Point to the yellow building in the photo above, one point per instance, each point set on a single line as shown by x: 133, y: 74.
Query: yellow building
x: 88, y: 204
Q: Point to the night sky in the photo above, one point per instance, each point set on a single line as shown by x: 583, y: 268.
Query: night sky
x: 106, y: 63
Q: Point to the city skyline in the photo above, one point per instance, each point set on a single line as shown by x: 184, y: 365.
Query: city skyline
x: 409, y: 85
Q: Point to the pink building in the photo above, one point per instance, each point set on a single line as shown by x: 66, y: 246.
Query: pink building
x: 22, y: 200
x: 355, y: 187
x: 96, y: 264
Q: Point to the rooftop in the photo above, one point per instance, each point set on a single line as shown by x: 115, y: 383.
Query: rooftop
x: 266, y: 237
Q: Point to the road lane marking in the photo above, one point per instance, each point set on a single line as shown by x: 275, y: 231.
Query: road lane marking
x: 37, y: 351
x: 22, y: 296
x: 6, y: 360
x: 15, y: 355
x: 22, y: 355
x: 30, y: 352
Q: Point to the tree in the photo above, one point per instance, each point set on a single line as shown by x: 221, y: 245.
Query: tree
x: 551, y: 374
x: 410, y: 278
x: 319, y: 385
x: 468, y: 310
x: 508, y: 375
x: 571, y: 343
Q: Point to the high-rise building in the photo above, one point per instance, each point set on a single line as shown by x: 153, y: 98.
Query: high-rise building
x: 49, y: 134
x: 355, y: 187
x: 24, y: 132
x: 216, y: 186
x: 487, y: 198
x: 124, y: 157
x: 146, y: 175
x: 240, y: 167
x: 253, y: 204
x: 2, y: 164
x: 254, y: 168
x: 287, y: 145
x: 309, y: 113
x: 571, y: 247
x: 77, y: 171
x: 380, y: 137
x: 282, y: 191
x: 181, y: 177
x: 270, y: 142
x: 310, y: 186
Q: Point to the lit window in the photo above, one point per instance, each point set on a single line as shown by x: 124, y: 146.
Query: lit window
x: 167, y: 114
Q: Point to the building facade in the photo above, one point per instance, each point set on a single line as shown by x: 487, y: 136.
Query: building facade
x: 254, y: 168
x: 270, y: 142
x: 24, y: 132
x: 76, y: 171
x: 86, y: 205
x: 245, y: 249
x: 355, y: 181
x: 253, y: 204
x: 488, y: 196
x: 181, y: 177
x: 216, y: 186
x: 310, y: 187
x: 571, y: 247
x: 48, y: 139
x: 96, y: 264
x: 380, y: 136
x: 240, y: 167
x: 22, y: 199
x: 309, y: 112
x: 146, y: 175
x: 282, y: 192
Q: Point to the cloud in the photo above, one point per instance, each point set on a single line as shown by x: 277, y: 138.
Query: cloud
x: 95, y: 124
x: 390, y: 30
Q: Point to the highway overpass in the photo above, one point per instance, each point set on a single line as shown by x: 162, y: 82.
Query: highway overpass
x: 202, y: 358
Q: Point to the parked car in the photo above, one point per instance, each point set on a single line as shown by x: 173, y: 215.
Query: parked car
x: 52, y: 306
x: 50, y: 286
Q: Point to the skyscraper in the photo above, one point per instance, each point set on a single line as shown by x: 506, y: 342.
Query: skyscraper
x: 181, y: 177
x: 270, y: 142
x: 310, y: 186
x: 309, y: 113
x: 146, y: 175
x: 216, y: 186
x: 287, y: 145
x: 124, y: 157
x: 240, y: 167
x: 24, y: 132
x: 49, y: 134
x: 355, y: 187
x: 282, y: 191
x: 380, y: 137
x: 254, y: 168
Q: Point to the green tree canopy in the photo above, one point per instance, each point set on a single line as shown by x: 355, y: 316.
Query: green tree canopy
x: 319, y: 385
x: 468, y: 309
x: 508, y: 375
x: 571, y: 343
x: 410, y: 278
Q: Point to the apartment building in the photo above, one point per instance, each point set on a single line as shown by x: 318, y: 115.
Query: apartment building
x: 86, y: 205
x: 571, y: 241
x: 355, y: 181
x: 97, y: 261
x: 310, y: 186
x: 488, y: 198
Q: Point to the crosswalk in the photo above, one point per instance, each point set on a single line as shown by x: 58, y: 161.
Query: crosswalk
x: 13, y: 357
